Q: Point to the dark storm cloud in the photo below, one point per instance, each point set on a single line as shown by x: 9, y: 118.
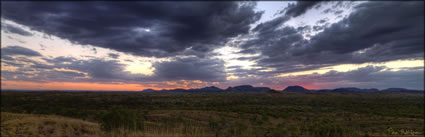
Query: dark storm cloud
x: 300, y: 8
x: 8, y: 28
x: 141, y: 28
x: 338, y: 6
x: 190, y: 68
x: 401, y: 28
x: 269, y: 26
x: 372, y: 33
x: 293, y: 10
x: 18, y: 50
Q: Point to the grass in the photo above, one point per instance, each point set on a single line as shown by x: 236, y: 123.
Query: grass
x: 262, y: 114
x: 13, y: 125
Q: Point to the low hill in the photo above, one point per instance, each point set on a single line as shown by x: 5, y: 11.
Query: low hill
x: 247, y: 88
x: 353, y: 89
x: 295, y: 89
x: 403, y: 90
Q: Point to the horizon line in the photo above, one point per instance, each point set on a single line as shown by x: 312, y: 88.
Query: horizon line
x: 88, y: 90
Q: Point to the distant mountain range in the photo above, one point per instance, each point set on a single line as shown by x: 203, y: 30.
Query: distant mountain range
x: 296, y: 88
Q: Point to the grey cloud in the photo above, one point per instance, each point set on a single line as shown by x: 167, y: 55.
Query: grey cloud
x: 366, y: 77
x: 72, y: 74
x: 42, y: 75
x: 112, y: 55
x: 17, y: 76
x: 300, y: 8
x: 338, y: 12
x: 270, y: 26
x: 174, y: 27
x: 8, y: 28
x: 371, y: 25
x: 18, y: 50
x: 210, y: 70
x: 3, y: 57
x: 373, y: 77
x: 102, y: 69
x: 318, y: 27
x: 94, y: 50
x: 190, y: 68
x: 370, y: 34
x: 60, y: 60
x: 338, y: 6
x: 42, y: 66
x: 241, y: 72
x: 322, y: 21
x: 99, y: 70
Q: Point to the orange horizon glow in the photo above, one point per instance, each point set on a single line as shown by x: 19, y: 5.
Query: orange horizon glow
x: 71, y: 86
x: 26, y: 85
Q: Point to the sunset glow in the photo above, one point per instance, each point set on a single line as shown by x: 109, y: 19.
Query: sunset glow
x: 71, y: 86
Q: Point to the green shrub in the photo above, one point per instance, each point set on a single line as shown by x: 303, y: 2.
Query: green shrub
x: 121, y: 118
x: 326, y: 128
x: 240, y: 128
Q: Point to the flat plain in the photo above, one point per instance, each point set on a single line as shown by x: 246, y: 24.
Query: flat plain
x: 212, y: 114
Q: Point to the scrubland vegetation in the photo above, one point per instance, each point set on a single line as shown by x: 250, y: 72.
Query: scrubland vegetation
x: 214, y: 114
x: 25, y: 125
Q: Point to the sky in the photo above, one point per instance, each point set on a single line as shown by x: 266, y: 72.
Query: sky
x: 131, y: 46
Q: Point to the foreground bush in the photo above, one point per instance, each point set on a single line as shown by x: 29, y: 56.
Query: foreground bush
x: 119, y: 118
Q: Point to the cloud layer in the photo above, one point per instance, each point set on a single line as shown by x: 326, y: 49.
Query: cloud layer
x: 8, y: 28
x: 369, y: 34
x: 71, y: 69
x: 18, y: 50
x: 185, y: 36
x: 158, y: 29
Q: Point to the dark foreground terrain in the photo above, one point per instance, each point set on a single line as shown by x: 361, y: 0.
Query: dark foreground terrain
x: 213, y: 114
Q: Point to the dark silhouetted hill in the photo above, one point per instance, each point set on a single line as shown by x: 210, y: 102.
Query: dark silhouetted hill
x: 353, y: 89
x: 149, y: 90
x: 295, y: 89
x: 247, y: 88
x: 403, y: 90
